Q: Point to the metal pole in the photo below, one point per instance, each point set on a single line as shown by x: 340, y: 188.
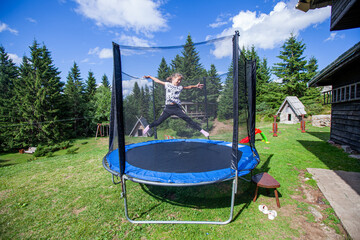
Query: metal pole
x: 154, y: 112
x: 235, y: 143
x: 206, y: 105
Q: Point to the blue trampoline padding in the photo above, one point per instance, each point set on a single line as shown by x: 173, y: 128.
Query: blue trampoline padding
x: 219, y: 151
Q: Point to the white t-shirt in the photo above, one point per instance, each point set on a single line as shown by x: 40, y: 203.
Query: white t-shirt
x: 172, y: 93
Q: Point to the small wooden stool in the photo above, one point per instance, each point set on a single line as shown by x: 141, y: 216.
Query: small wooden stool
x: 265, y: 180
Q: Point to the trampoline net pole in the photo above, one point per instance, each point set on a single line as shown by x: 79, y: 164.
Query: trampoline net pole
x: 154, y: 110
x: 118, y: 141
x: 234, y: 161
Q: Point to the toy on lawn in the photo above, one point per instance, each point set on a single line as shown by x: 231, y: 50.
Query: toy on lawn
x: 275, y: 127
x: 264, y: 139
x: 302, y: 124
x: 169, y: 137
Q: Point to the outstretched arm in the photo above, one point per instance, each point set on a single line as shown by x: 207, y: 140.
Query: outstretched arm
x: 155, y: 79
x: 195, y: 86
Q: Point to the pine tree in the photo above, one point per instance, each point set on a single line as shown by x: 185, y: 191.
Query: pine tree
x: 213, y: 89
x: 225, y: 110
x: 105, y: 81
x: 192, y: 71
x: 177, y: 64
x: 163, y: 72
x: 89, y: 96
x: 311, y: 69
x: 76, y: 102
x: 147, y: 104
x: 90, y: 87
x: 8, y: 75
x: 263, y: 77
x: 40, y: 100
x: 292, y: 69
x: 136, y: 93
x: 132, y: 108
x: 102, y: 104
x: 312, y: 98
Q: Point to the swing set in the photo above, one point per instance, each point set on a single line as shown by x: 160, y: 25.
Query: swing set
x: 102, y: 129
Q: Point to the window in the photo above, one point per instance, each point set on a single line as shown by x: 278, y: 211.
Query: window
x: 289, y: 117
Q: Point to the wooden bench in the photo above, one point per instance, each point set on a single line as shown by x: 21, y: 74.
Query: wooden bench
x: 265, y: 180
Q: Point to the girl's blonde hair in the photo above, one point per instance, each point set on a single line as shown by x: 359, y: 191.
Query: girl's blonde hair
x: 169, y: 79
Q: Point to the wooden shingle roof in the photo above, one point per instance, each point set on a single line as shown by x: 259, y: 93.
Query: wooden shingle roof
x: 295, y: 105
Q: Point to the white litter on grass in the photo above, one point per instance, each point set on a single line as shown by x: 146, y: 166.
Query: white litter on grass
x: 271, y: 213
x: 264, y: 209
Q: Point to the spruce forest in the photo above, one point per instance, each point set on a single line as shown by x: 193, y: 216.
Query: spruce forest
x: 39, y: 108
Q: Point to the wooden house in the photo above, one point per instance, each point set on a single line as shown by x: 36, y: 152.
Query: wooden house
x: 343, y: 74
x: 139, y: 127
x: 344, y: 14
x: 291, y: 110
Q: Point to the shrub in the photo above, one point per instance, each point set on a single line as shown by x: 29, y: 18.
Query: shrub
x: 65, y: 145
x: 72, y: 150
x: 44, y: 150
x: 182, y: 129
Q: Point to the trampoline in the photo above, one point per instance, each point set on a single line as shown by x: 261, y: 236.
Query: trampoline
x: 185, y: 162
x: 181, y: 162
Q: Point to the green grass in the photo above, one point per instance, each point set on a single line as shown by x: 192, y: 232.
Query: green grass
x: 71, y: 196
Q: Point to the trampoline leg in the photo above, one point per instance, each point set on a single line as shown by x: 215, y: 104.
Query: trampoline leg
x: 123, y: 182
x: 123, y: 194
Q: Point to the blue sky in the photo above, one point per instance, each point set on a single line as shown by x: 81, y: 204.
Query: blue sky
x: 82, y: 31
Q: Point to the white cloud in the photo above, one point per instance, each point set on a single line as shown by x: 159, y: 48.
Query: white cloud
x: 333, y: 36
x: 103, y: 53
x: 5, y: 27
x: 221, y: 20
x: 123, y: 40
x: 139, y: 15
x: 16, y: 59
x: 267, y: 31
x: 129, y: 85
x: 94, y: 51
x: 133, y: 41
x: 217, y: 24
x: 31, y: 20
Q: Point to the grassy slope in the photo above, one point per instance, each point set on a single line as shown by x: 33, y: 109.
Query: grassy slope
x: 72, y: 196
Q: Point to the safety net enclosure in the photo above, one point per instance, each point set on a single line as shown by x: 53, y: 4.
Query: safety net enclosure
x: 179, y: 103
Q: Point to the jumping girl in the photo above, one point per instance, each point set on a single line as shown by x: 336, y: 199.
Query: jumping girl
x: 172, y: 102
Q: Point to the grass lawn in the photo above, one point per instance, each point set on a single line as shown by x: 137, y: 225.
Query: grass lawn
x: 71, y: 196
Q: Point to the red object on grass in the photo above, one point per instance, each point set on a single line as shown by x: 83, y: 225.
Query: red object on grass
x: 246, y: 140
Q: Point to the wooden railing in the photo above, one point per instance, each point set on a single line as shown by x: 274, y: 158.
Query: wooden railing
x: 346, y: 93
